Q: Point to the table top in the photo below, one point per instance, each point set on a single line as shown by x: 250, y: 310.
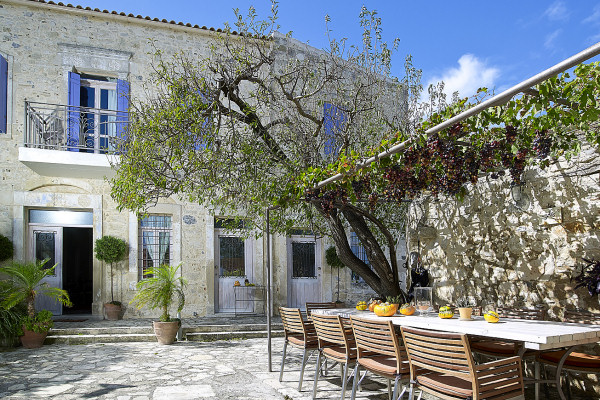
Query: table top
x: 535, y: 335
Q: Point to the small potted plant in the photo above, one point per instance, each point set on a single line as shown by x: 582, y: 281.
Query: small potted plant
x: 161, y: 290
x: 111, y: 250
x: 396, y: 300
x: 24, y: 285
x: 465, y: 308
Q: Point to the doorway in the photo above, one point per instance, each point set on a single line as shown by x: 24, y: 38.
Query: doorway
x: 304, y: 270
x: 56, y: 236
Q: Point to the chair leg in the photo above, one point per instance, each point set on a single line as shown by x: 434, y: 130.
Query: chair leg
x: 344, y: 380
x: 302, y: 370
x: 389, y: 381
x: 282, y: 361
x: 355, y: 382
x: 317, y: 375
x: 395, y: 389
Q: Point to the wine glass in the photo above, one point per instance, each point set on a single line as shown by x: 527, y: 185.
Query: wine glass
x: 424, y: 300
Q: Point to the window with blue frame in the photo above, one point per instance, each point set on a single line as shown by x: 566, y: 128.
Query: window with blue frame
x: 334, y: 121
x: 98, y: 113
x: 359, y: 251
x: 3, y: 95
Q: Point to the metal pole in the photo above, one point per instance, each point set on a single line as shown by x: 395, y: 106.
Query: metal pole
x: 502, y: 98
x: 269, y: 292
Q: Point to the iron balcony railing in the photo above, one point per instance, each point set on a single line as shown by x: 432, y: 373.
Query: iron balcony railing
x: 74, y: 128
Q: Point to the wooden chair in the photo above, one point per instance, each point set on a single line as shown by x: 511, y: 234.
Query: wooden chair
x: 298, y: 333
x: 336, y: 343
x: 318, y: 306
x: 501, y: 348
x: 570, y: 360
x: 379, y: 351
x: 442, y: 364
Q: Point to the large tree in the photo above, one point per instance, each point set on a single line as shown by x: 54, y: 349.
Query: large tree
x: 237, y: 128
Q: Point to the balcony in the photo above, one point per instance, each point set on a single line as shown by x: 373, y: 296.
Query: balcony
x: 71, y: 141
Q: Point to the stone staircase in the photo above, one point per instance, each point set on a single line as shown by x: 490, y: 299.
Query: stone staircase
x: 201, y: 333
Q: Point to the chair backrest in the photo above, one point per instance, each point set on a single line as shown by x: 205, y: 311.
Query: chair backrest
x: 377, y: 338
x: 536, y: 313
x: 293, y: 323
x: 581, y: 317
x: 318, y: 306
x: 331, y: 330
x: 448, y: 353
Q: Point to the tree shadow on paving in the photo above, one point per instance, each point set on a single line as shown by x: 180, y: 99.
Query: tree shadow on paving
x: 105, y: 389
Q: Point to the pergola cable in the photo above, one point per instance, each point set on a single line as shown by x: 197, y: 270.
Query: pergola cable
x: 499, y: 99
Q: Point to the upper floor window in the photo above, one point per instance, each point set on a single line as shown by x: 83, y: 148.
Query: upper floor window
x: 359, y: 251
x: 3, y: 95
x: 334, y: 120
x: 155, y: 238
x: 98, y: 112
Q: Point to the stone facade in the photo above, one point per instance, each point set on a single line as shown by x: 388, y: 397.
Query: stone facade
x: 42, y: 44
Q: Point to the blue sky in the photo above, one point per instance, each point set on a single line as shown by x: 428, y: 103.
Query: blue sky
x: 467, y: 44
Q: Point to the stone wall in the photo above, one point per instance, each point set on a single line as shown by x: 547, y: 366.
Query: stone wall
x: 515, y: 246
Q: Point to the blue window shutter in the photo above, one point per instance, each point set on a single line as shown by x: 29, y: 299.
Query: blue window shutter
x: 201, y: 142
x: 122, y: 108
x: 333, y: 123
x: 3, y: 94
x: 73, y: 123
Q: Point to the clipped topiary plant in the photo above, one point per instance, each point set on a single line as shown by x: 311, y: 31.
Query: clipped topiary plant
x: 6, y: 248
x: 334, y: 261
x: 111, y: 249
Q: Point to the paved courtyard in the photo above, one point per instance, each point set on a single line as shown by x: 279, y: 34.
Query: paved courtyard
x: 139, y: 371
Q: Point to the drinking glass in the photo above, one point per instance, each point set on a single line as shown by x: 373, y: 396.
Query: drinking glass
x: 424, y: 300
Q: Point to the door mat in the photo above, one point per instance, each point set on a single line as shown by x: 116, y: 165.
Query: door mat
x: 70, y: 320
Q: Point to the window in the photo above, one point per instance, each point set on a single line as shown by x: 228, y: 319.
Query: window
x: 303, y: 260
x: 231, y: 256
x: 98, y: 113
x: 334, y: 120
x: 359, y: 251
x: 3, y: 95
x: 155, y: 237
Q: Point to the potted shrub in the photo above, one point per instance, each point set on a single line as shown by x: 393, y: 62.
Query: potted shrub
x: 111, y: 250
x: 25, y: 284
x: 465, y: 308
x: 161, y: 290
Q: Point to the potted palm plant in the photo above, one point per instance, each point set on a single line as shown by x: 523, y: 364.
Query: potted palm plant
x: 24, y: 285
x: 111, y: 250
x: 161, y: 290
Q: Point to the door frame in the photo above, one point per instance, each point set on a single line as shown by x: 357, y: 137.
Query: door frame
x: 318, y: 266
x: 226, y: 283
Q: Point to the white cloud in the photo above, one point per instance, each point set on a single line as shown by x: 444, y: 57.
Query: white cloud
x: 557, y: 11
x: 549, y: 42
x: 594, y: 18
x: 471, y: 74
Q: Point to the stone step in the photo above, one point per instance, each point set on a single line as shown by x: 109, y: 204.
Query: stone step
x: 212, y: 336
x: 116, y: 330
x: 100, y: 338
x: 230, y: 328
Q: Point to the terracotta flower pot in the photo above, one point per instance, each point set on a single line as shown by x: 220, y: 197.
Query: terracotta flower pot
x: 32, y: 340
x: 165, y: 331
x: 112, y: 311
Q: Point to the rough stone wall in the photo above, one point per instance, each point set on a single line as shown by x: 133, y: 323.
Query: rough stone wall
x: 515, y: 247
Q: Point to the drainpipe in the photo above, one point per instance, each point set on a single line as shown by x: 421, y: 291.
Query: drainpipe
x: 268, y: 234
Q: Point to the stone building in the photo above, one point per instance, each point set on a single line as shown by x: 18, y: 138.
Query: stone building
x: 66, y: 76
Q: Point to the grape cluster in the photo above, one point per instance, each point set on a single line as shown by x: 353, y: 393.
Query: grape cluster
x: 510, y: 133
x: 542, y: 144
x: 361, y: 186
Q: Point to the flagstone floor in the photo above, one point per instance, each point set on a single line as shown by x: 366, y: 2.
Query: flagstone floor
x: 235, y: 369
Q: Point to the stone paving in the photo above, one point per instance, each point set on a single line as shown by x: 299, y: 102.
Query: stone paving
x: 186, y: 370
x: 234, y: 369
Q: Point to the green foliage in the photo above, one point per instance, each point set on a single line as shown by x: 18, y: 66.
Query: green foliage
x: 400, y: 299
x: 110, y: 249
x: 464, y: 302
x: 161, y: 290
x: 40, y: 323
x: 10, y: 318
x: 6, y: 248
x: 332, y: 258
x: 26, y: 279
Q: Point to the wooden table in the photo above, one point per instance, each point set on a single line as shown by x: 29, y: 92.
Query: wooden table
x: 535, y: 335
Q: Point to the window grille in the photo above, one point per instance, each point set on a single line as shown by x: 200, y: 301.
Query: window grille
x: 231, y: 256
x: 359, y: 251
x: 155, y: 238
x: 303, y: 260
